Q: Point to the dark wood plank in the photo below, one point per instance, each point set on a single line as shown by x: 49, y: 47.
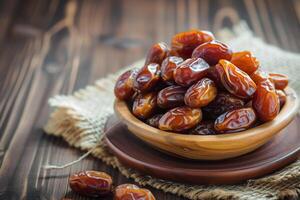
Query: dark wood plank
x: 51, y: 47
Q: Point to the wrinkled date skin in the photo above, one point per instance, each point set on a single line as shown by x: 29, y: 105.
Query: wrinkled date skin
x: 180, y: 119
x: 145, y: 105
x: 212, y: 52
x: 91, y: 183
x: 132, y: 192
x: 234, y: 80
x: 190, y: 71
x: 168, y: 66
x: 282, y: 97
x: 154, y: 121
x: 124, y: 85
x: 171, y: 97
x: 259, y: 76
x: 265, y: 101
x: 157, y: 53
x: 147, y: 77
x: 245, y: 61
x: 223, y: 102
x: 280, y: 81
x: 204, y: 128
x: 235, y: 120
x: 184, y: 43
x: 201, y: 93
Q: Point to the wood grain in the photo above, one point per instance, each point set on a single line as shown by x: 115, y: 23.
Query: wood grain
x: 55, y: 47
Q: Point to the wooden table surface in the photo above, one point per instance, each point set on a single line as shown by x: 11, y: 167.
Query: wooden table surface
x: 55, y: 47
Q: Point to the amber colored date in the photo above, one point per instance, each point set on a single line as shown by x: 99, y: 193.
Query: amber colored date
x: 245, y: 61
x: 201, y: 93
x: 280, y: 81
x: 190, y: 71
x: 235, y: 80
x: 235, y: 120
x: 157, y: 53
x: 132, y: 192
x: 212, y: 52
x: 168, y: 66
x: 91, y: 183
x: 265, y: 101
x: 259, y: 76
x: 145, y: 105
x: 171, y: 97
x: 124, y: 86
x: 154, y: 121
x: 282, y: 97
x: 184, y: 43
x: 180, y: 119
x: 147, y: 77
x: 204, y: 128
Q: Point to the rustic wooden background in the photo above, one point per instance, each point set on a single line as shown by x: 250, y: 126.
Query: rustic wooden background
x: 55, y: 47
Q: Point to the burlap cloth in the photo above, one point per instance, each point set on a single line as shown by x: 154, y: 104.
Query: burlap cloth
x: 79, y: 119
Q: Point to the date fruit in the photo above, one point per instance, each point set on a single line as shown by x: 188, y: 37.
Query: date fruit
x: 184, y: 43
x: 171, y: 97
x: 203, y: 128
x: 132, y: 192
x: 124, y: 86
x: 235, y: 80
x: 190, y: 71
x: 235, y: 120
x: 168, y: 66
x: 201, y: 93
x: 145, y: 105
x: 180, y: 119
x: 157, y: 53
x: 91, y: 183
x: 280, y: 81
x: 212, y: 52
x: 154, y: 121
x: 245, y: 61
x: 282, y: 97
x: 147, y: 77
x: 265, y: 101
x: 259, y: 76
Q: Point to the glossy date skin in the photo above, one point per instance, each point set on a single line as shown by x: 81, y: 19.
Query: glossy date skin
x: 180, y: 119
x: 204, y: 128
x: 147, y: 77
x: 265, y: 101
x: 184, y: 43
x: 171, y: 97
x: 168, y: 66
x: 234, y: 80
x: 132, y: 192
x: 190, y: 71
x: 282, y: 97
x: 157, y: 53
x: 280, y: 81
x: 124, y: 86
x: 145, y: 105
x: 235, y: 120
x: 245, y: 61
x: 212, y: 52
x: 91, y: 183
x: 259, y: 76
x: 201, y: 93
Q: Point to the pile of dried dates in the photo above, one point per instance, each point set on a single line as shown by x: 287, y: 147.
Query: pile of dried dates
x: 200, y: 86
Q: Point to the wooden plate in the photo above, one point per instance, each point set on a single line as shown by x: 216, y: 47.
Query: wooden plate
x: 283, y: 149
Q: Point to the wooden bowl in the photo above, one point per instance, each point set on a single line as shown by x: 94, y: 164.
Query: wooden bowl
x: 209, y: 147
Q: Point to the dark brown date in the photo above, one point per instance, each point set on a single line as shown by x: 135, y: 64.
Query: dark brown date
x: 280, y: 81
x: 145, y: 105
x: 157, y: 53
x: 91, y: 183
x: 132, y: 192
x: 180, y: 119
x: 265, y: 101
x: 190, y: 71
x: 203, y: 128
x: 171, y: 97
x: 235, y: 80
x: 282, y: 97
x: 154, y: 121
x: 184, y: 43
x: 212, y: 52
x: 235, y: 120
x: 259, y: 76
x: 213, y: 75
x: 124, y: 86
x: 201, y: 93
x: 168, y: 66
x: 223, y: 102
x: 245, y: 61
x: 147, y: 77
